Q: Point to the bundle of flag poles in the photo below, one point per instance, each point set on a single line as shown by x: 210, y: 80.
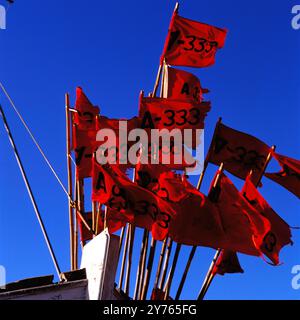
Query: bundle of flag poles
x: 158, y: 198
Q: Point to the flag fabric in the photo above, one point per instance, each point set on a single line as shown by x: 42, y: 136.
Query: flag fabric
x: 192, y: 43
x: 227, y: 262
x: 147, y: 175
x: 239, y: 152
x: 279, y: 234
x: 197, y: 222
x: 182, y: 85
x: 84, y: 144
x: 114, y: 222
x: 289, y: 176
x: 85, y: 117
x: 113, y: 188
x: 160, y: 113
x: 114, y: 148
x: 84, y: 147
x: 244, y: 226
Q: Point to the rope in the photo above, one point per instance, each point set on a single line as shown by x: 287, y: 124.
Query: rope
x: 35, y: 141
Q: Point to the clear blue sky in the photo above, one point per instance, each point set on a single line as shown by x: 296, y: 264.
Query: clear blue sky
x: 112, y: 50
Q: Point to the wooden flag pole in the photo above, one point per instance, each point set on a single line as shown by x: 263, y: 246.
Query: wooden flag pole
x: 166, y: 263
x: 171, y: 273
x: 269, y: 158
x: 129, y: 261
x: 160, y: 68
x: 186, y: 270
x: 209, y: 276
x: 29, y: 190
x: 143, y: 267
x: 194, y: 248
x: 159, y: 72
x: 125, y: 249
x: 121, y: 240
x: 160, y: 263
x: 70, y: 187
x: 139, y: 271
x: 149, y: 269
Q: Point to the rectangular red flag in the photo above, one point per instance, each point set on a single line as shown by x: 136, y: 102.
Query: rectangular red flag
x: 227, y: 262
x: 192, y: 43
x: 182, y: 85
x: 160, y: 113
x: 85, y: 117
x: 289, y: 176
x: 240, y: 152
x: 244, y: 226
x: 113, y: 188
x: 279, y: 234
x: 84, y: 147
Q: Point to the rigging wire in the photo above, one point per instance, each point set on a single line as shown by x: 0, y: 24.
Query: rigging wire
x: 35, y: 141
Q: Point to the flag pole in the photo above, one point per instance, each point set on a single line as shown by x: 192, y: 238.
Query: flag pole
x: 160, y: 263
x: 160, y: 68
x: 139, y: 271
x: 29, y: 190
x: 209, y: 276
x: 186, y: 270
x: 131, y: 234
x: 171, y: 273
x: 124, y: 258
x: 149, y: 269
x: 70, y: 187
x: 143, y: 267
x: 166, y: 263
x: 269, y: 158
x: 194, y: 248
x: 129, y: 261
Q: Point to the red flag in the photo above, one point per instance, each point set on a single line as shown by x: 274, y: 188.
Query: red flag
x: 84, y: 118
x: 227, y: 262
x: 289, y: 176
x: 113, y: 188
x: 197, y: 222
x: 244, y: 226
x: 182, y: 85
x: 114, y: 222
x: 192, y: 43
x: 240, y: 152
x: 147, y: 175
x: 84, y: 147
x: 160, y: 113
x: 116, y: 149
x: 279, y: 234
